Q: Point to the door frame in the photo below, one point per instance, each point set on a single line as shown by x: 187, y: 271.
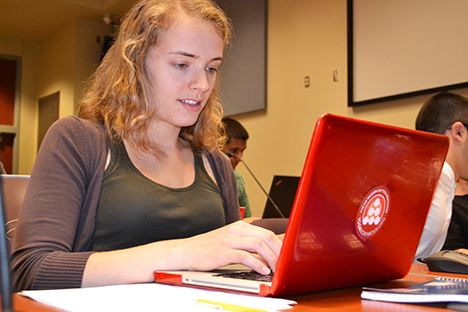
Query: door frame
x: 15, y: 129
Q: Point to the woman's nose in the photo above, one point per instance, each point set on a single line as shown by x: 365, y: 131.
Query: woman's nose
x: 200, y: 82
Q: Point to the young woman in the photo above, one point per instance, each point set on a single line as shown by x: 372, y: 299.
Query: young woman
x: 136, y: 184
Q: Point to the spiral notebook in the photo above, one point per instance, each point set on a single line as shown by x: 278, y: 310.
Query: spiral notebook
x: 440, y: 289
x: 358, y: 214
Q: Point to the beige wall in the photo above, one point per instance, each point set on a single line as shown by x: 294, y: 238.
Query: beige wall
x: 87, y: 53
x: 57, y: 67
x: 305, y: 38
x: 67, y: 59
x: 28, y: 116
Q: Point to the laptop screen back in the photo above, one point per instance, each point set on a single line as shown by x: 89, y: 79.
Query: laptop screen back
x: 361, y: 205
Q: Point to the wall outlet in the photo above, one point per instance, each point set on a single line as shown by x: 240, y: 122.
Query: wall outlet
x: 336, y: 76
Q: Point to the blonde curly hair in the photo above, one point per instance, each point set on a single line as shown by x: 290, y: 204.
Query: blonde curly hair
x: 118, y: 92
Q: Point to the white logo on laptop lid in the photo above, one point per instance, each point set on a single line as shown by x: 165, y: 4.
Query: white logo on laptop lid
x: 372, y: 212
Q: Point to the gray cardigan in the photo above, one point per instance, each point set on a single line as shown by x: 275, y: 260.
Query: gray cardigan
x: 56, y: 223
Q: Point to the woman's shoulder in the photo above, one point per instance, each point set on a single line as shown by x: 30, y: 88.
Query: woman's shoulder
x: 72, y: 126
x: 215, y: 155
x: 73, y: 122
x: 74, y: 131
x: 76, y: 138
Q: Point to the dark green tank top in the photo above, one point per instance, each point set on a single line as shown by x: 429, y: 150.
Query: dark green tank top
x: 134, y: 210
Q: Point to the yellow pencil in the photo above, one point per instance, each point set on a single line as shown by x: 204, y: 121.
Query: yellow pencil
x: 220, y: 306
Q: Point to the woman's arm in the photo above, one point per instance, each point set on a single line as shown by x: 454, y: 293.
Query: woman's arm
x: 238, y: 242
x: 57, y: 218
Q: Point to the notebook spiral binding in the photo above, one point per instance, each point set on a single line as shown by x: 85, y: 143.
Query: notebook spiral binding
x: 452, y: 279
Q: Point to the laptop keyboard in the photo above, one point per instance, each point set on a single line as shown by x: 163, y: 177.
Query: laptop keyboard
x: 250, y: 275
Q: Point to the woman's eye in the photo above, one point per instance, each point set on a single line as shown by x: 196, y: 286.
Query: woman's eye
x: 212, y: 70
x: 180, y: 66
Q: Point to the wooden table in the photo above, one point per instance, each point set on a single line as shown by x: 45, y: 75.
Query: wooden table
x: 22, y: 304
x: 347, y: 299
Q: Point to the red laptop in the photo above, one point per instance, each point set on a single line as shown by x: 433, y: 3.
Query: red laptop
x: 358, y: 215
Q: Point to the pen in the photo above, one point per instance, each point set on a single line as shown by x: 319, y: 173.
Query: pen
x: 214, y: 305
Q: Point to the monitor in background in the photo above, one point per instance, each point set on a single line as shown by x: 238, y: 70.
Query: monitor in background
x: 282, y: 192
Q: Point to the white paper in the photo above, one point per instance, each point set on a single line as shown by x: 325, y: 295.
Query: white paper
x: 147, y: 297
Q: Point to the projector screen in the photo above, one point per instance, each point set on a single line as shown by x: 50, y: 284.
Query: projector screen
x: 401, y: 48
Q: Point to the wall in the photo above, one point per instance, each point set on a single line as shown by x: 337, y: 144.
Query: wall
x: 67, y: 60
x: 57, y: 67
x: 305, y: 38
x: 89, y: 39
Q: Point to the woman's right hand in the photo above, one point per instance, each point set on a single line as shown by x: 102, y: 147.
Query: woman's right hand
x: 239, y: 243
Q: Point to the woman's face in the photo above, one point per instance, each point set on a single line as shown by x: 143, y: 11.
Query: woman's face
x: 182, y: 70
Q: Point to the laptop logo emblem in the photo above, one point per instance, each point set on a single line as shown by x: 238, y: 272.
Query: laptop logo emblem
x: 372, y: 212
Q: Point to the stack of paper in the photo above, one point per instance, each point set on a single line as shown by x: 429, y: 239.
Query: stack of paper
x: 153, y: 297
